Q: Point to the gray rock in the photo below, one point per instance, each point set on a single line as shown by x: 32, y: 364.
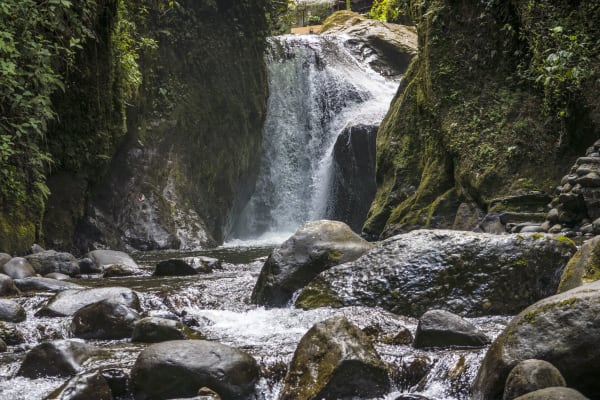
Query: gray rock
x: 11, y: 311
x: 174, y: 267
x: 18, y: 268
x: 58, y: 276
x: 553, y: 393
x: 4, y: 258
x: 204, y: 265
x: 468, y: 217
x: 179, y: 368
x: 103, y: 258
x: 3, y: 346
x: 7, y: 286
x: 118, y: 381
x: 529, y: 376
x: 86, y: 386
x: 58, y: 358
x: 68, y: 302
x: 36, y: 248
x: 153, y: 330
x: 463, y: 272
x: 45, y: 262
x: 117, y: 270
x: 584, y: 267
x: 314, y: 248
x: 10, y: 334
x: 438, y: 328
x: 335, y: 360
x: 45, y: 284
x: 106, y: 319
x: 563, y: 329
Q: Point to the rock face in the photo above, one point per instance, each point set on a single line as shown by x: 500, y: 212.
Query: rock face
x: 467, y: 273
x: 49, y: 261
x: 314, y: 248
x: 87, y: 386
x: 68, y: 302
x: 353, y: 178
x: 154, y: 330
x: 59, y: 358
x: 107, y: 319
x: 529, y: 376
x: 562, y: 329
x: 335, y: 360
x: 584, y: 267
x: 438, y: 328
x: 179, y: 368
x: 11, y: 311
x: 18, y: 268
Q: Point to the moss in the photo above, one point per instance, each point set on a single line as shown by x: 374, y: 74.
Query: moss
x: 537, y: 236
x: 565, y: 239
x: 316, y: 295
x: 17, y: 232
x: 334, y: 255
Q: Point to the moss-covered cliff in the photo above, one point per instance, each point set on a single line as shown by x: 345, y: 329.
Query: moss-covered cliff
x: 499, y: 101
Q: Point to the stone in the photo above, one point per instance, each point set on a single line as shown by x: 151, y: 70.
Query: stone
x: 103, y: 258
x: 117, y: 270
x: 118, y: 381
x: 315, y: 247
x: 335, y: 360
x: 7, y: 286
x: 85, y: 386
x: 552, y: 216
x: 591, y: 179
x: 174, y: 267
x: 58, y: 358
x: 4, y: 258
x: 58, y: 276
x: 153, y: 330
x: 179, y: 368
x: 18, y: 268
x: 467, y: 273
x: 3, y: 346
x: 10, y: 335
x: 87, y: 266
x: 439, y: 328
x: 491, y: 224
x: 553, y: 393
x: 202, y: 264
x: 468, y: 217
x: 563, y: 330
x: 11, y: 311
x: 583, y: 267
x: 106, y: 319
x: 45, y: 284
x: 47, y: 261
x: 36, y: 248
x: 68, y: 302
x: 529, y: 376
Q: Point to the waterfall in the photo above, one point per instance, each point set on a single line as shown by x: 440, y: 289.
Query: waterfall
x: 317, y: 87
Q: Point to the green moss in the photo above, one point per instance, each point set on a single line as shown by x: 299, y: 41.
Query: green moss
x: 17, y: 233
x: 565, y: 239
x: 315, y: 296
x: 334, y: 255
x: 537, y: 236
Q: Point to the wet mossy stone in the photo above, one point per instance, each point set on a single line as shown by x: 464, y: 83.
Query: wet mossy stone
x: 10, y: 334
x: 106, y: 319
x: 18, y: 268
x: 154, y: 330
x: 174, y: 267
x: 46, y: 284
x: 529, y: 376
x: 7, y: 286
x: 85, y: 386
x: 47, y: 261
x: 179, y: 368
x: 467, y: 273
x: 584, y: 267
x: 553, y: 393
x: 335, y: 360
x: 11, y: 311
x: 315, y: 247
x: 68, y: 302
x: 439, y: 328
x: 563, y: 330
x: 58, y: 358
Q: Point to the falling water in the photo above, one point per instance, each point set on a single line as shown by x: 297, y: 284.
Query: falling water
x: 317, y: 88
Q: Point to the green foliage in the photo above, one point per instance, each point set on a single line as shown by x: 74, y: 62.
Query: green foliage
x: 313, y: 20
x: 387, y: 11
x: 280, y: 15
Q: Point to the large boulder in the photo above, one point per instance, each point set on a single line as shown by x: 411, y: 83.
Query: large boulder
x: 563, y: 329
x: 439, y: 328
x: 463, y: 272
x: 174, y: 267
x: 68, y: 302
x: 7, y: 286
x: 11, y: 311
x: 584, y: 267
x: 102, y: 259
x: 179, y: 368
x: 553, y: 393
x: 4, y: 258
x: 48, y: 261
x: 86, y: 386
x: 46, y: 284
x: 58, y: 358
x: 106, y: 319
x: 529, y: 376
x: 18, y: 268
x: 335, y: 360
x: 314, y: 248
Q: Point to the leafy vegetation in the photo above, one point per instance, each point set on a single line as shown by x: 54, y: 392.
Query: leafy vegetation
x: 388, y: 11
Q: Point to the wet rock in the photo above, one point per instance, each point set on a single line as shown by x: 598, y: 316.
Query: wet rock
x: 529, y: 376
x: 553, y: 393
x: 103, y: 258
x: 563, y: 329
x: 7, y: 286
x: 584, y: 267
x: 491, y: 224
x: 86, y: 386
x: 335, y: 360
x: 106, y: 319
x: 58, y: 276
x: 46, y: 284
x: 438, y: 328
x: 10, y: 334
x: 314, y: 248
x: 3, y: 346
x: 116, y: 270
x: 463, y: 272
x: 47, y: 261
x: 87, y: 266
x: 204, y: 265
x: 58, y: 358
x: 11, y: 311
x: 181, y: 367
x: 174, y: 267
x: 18, y: 268
x: 468, y: 217
x: 153, y: 330
x: 411, y: 397
x: 68, y: 302
x: 35, y: 248
x: 4, y: 258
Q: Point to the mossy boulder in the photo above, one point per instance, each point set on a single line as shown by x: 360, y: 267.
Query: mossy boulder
x: 49, y: 261
x: 584, y: 267
x: 463, y: 272
x: 314, y: 248
x: 335, y: 360
x: 529, y: 376
x: 553, y: 393
x: 562, y: 330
